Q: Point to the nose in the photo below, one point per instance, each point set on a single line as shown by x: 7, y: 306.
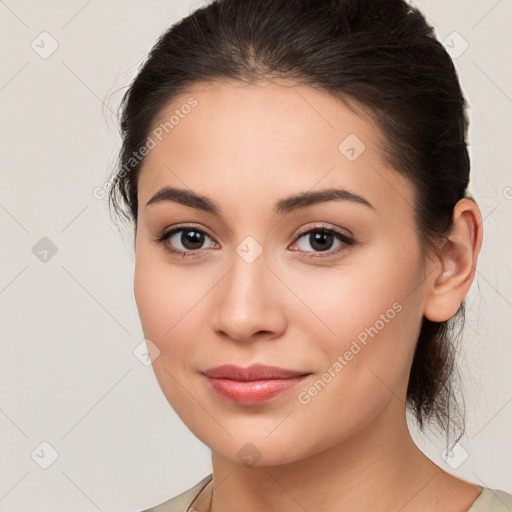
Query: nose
x: 249, y: 302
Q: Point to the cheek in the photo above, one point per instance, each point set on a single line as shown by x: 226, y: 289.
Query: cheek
x: 365, y: 365
x: 371, y: 321
x: 358, y: 298
x: 163, y: 316
x: 172, y: 304
x: 148, y: 291
x: 163, y: 293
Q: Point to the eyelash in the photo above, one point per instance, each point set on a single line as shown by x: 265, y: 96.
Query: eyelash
x: 347, y: 241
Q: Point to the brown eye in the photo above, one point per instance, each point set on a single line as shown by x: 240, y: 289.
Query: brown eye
x: 191, y: 239
x: 322, y: 240
x: 185, y: 240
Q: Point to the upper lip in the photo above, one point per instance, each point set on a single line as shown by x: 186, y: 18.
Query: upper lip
x: 249, y: 373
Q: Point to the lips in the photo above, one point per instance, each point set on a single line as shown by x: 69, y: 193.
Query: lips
x: 251, y: 385
x: 250, y: 373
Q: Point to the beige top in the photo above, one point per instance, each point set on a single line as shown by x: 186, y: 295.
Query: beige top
x: 489, y: 500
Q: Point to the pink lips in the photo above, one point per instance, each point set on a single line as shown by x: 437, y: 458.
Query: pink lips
x: 251, y: 385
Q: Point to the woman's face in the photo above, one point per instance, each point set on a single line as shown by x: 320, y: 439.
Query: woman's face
x: 331, y: 287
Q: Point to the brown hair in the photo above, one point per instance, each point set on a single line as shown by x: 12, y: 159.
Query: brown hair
x: 383, y: 55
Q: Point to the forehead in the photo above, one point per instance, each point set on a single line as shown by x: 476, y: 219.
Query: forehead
x: 237, y: 111
x: 269, y: 138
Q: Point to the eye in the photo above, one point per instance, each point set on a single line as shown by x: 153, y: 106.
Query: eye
x: 322, y: 239
x: 189, y: 241
x: 184, y: 240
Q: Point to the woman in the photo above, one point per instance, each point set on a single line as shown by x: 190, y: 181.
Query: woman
x: 297, y: 172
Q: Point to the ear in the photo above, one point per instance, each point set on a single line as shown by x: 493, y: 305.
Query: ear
x: 455, y: 263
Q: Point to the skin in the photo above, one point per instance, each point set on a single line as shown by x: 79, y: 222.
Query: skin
x: 349, y: 448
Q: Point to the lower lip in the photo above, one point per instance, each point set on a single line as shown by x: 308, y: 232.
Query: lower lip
x: 252, y: 392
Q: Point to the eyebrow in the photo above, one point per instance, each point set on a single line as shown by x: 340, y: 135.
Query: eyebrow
x: 283, y: 206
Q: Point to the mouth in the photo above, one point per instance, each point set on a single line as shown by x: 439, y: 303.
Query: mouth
x: 252, y: 385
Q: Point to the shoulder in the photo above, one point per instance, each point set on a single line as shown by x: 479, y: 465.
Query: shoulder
x: 492, y: 500
x: 489, y: 500
x: 181, y: 502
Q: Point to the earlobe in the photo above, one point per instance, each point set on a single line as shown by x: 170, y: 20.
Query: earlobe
x: 455, y: 262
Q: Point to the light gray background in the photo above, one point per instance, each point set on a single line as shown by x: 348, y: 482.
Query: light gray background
x: 69, y: 326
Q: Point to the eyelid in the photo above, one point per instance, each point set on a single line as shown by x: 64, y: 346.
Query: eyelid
x: 167, y: 232
x: 326, y: 227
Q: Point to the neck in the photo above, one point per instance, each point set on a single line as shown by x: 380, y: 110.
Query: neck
x: 378, y: 468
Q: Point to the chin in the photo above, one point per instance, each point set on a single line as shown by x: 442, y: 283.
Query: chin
x: 255, y: 448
